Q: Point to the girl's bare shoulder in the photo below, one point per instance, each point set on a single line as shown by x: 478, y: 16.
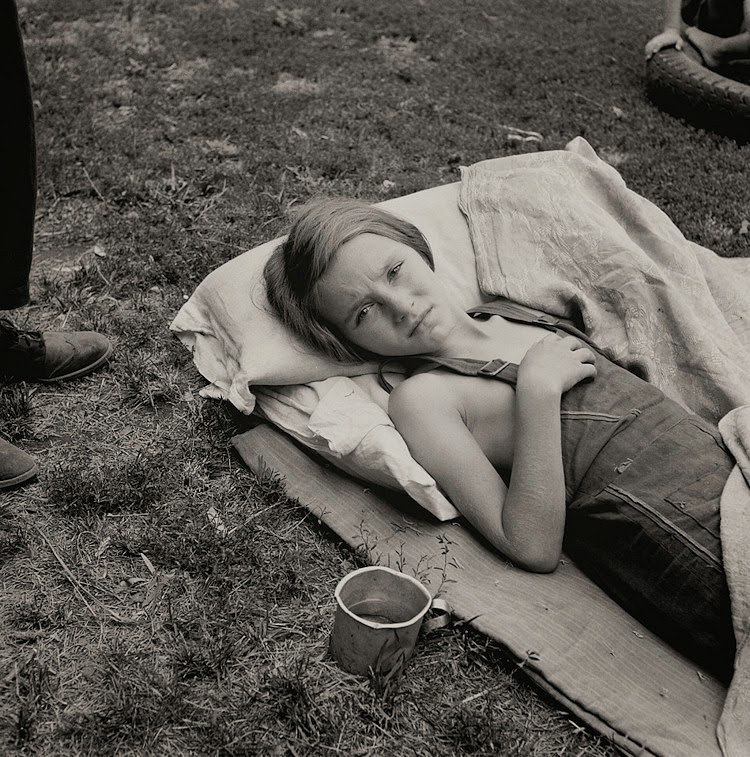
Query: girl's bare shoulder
x: 441, y: 391
x: 424, y: 390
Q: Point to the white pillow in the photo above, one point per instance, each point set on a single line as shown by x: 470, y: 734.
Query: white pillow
x: 339, y: 410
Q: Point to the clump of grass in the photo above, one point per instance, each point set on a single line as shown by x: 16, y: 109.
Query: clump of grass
x: 32, y: 692
x: 208, y: 627
x: 291, y: 694
x: 481, y: 727
x: 218, y: 535
x: 187, y: 541
x: 131, y: 482
x: 134, y: 703
x: 68, y: 293
x: 15, y: 411
x: 12, y: 537
x: 208, y: 656
x: 32, y: 614
x: 144, y: 380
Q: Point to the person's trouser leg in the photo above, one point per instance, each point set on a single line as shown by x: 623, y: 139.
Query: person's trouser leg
x: 722, y: 18
x: 18, y: 161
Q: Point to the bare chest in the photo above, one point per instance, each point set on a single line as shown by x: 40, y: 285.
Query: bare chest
x: 488, y: 405
x: 506, y: 339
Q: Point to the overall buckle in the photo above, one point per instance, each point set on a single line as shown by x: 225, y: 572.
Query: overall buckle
x: 493, y: 367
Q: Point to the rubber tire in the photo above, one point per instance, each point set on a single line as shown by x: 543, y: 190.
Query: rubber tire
x: 684, y: 86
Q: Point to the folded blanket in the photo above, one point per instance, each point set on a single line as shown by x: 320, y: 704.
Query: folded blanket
x: 734, y: 725
x: 670, y: 310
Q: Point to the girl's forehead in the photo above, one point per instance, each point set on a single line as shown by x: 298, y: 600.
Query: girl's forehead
x: 366, y: 246
x: 358, y: 270
x: 364, y: 257
x: 352, y: 268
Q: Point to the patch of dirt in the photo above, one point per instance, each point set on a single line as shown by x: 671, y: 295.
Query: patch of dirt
x: 121, y: 34
x: 287, y: 84
x: 294, y: 19
x: 113, y: 118
x: 53, y: 255
x: 222, y: 147
x: 118, y: 92
x: 244, y: 73
x: 397, y: 48
x: 181, y: 73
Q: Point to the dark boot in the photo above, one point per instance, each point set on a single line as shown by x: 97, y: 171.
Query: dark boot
x: 52, y: 355
x: 16, y: 466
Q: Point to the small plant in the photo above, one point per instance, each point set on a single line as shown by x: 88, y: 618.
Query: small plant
x: 365, y: 552
x: 32, y: 687
x: 296, y: 701
x: 204, y: 638
x: 12, y: 538
x: 32, y: 614
x: 478, y: 728
x: 15, y: 411
x: 145, y: 380
x: 207, y: 657
x: 384, y: 682
x: 128, y: 483
x: 131, y: 704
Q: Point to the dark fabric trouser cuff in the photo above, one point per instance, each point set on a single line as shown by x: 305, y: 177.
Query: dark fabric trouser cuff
x: 10, y: 299
x: 22, y: 353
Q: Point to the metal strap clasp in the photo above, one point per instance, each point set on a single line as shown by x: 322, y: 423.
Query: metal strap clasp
x: 493, y: 367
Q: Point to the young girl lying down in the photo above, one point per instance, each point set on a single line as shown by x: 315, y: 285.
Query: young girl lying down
x: 539, y: 440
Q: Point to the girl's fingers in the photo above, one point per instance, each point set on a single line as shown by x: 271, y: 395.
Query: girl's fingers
x: 589, y: 370
x: 573, y: 342
x: 585, y: 355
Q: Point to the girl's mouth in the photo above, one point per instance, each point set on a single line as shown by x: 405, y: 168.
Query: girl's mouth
x: 420, y: 318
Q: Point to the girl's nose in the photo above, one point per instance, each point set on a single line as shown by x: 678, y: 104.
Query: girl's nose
x: 402, y: 303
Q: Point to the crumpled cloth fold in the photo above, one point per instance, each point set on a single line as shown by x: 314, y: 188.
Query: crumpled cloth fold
x: 733, y: 730
x: 672, y: 311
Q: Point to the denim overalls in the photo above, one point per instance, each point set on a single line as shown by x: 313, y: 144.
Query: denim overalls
x: 643, y: 478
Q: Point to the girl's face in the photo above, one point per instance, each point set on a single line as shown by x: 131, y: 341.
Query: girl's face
x: 382, y: 296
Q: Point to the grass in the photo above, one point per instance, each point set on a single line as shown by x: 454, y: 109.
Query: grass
x: 158, y: 598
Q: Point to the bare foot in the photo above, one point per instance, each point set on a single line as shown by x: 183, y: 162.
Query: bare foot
x: 708, y: 45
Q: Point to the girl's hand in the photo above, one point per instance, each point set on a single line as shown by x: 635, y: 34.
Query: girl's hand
x: 557, y: 364
x: 668, y: 38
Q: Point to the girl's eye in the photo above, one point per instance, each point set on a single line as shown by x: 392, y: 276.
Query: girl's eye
x: 394, y: 271
x: 362, y: 313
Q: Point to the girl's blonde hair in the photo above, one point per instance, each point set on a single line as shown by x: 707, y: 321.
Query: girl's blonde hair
x: 297, y: 264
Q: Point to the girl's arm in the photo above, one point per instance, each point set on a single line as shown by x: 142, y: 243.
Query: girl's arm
x: 526, y: 520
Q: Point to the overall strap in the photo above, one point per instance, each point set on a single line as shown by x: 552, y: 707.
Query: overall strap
x: 513, y: 311
x: 499, y: 369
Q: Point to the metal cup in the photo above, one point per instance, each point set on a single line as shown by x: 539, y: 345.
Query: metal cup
x: 379, y: 612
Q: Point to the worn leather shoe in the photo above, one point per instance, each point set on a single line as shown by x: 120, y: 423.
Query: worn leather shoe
x: 16, y: 466
x: 52, y: 355
x: 70, y: 354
